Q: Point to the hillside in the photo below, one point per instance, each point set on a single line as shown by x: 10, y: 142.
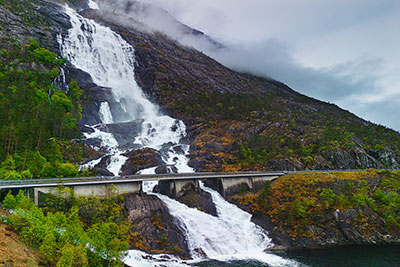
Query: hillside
x: 240, y: 121
x: 235, y: 121
x: 13, y: 252
x: 328, y: 208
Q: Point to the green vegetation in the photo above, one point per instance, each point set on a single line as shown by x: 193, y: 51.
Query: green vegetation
x: 35, y: 118
x: 25, y: 9
x: 71, y: 230
x: 297, y: 201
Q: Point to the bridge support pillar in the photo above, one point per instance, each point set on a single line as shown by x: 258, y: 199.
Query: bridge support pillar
x: 229, y: 186
x: 177, y: 188
x: 100, y: 190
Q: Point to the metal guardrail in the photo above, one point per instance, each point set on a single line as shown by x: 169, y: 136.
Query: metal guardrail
x: 123, y: 179
x: 152, y: 177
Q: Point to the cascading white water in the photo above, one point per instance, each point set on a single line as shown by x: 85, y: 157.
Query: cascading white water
x: 229, y: 236
x: 105, y: 113
x: 92, y: 5
x: 109, y: 60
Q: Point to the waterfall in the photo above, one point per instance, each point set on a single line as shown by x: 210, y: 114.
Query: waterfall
x: 109, y: 60
x: 229, y: 236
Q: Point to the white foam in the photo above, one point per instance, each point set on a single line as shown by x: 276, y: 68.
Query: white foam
x: 105, y: 113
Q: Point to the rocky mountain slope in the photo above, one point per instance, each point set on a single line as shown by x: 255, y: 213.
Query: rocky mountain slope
x: 240, y: 121
x: 235, y: 121
x: 333, y: 208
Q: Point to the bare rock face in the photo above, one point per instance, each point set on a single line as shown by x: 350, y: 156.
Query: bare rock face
x: 200, y: 200
x: 157, y: 231
x: 101, y: 167
x: 141, y: 159
x: 16, y: 26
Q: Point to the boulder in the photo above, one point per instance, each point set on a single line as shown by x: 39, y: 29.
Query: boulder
x: 124, y: 132
x: 101, y: 167
x: 141, y: 159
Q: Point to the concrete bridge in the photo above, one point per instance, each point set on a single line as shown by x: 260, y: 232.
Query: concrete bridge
x: 173, y: 185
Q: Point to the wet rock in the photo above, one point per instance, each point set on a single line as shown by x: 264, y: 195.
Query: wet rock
x: 141, y: 159
x: 166, y: 169
x: 86, y: 129
x: 101, y: 167
x: 178, y: 149
x: 199, y: 199
x: 196, y: 164
x: 157, y: 229
x: 92, y: 142
x: 278, y: 237
x: 95, y: 96
x: 165, y: 148
x: 79, y: 4
x: 124, y: 132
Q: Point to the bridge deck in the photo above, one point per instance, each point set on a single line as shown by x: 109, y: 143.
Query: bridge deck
x: 35, y: 183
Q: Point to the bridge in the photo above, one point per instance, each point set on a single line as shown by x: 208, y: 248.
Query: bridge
x: 173, y: 185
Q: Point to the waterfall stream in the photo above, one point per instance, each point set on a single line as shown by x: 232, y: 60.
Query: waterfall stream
x: 229, y: 236
x: 109, y: 60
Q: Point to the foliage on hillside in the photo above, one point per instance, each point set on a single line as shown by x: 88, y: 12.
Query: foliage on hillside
x: 297, y: 203
x: 71, y: 230
x: 14, y: 252
x: 35, y: 117
x: 272, y: 128
x: 25, y: 9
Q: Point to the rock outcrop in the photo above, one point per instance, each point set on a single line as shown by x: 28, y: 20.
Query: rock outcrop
x: 157, y: 231
x: 141, y: 159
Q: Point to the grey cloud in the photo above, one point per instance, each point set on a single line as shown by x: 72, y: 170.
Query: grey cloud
x: 345, y: 83
x: 388, y: 108
x: 274, y: 59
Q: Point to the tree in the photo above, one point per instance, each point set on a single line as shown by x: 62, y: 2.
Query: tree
x: 73, y: 256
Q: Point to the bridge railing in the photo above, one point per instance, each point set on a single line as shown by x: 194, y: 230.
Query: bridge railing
x: 129, y: 177
x: 142, y: 177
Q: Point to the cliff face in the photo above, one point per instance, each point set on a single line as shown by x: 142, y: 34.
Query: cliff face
x: 37, y: 19
x: 235, y: 121
x: 158, y: 231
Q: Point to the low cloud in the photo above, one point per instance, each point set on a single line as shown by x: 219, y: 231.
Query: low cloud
x: 351, y: 85
x: 347, y: 84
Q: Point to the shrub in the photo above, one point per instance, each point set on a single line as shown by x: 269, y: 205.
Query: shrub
x: 9, y: 201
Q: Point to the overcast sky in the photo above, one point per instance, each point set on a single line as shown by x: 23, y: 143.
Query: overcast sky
x: 342, y: 51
